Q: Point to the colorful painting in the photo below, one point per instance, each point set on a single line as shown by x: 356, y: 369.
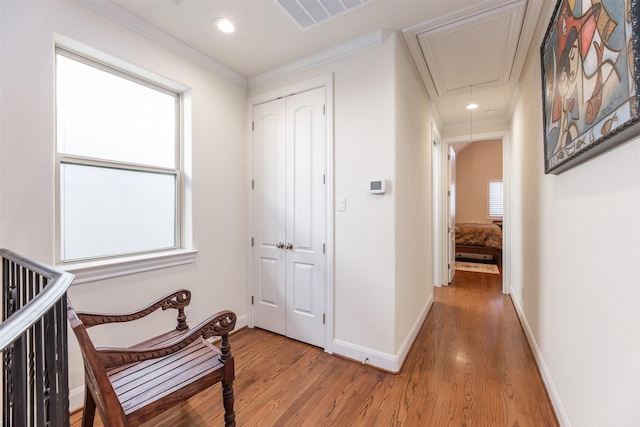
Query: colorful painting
x: 589, y: 80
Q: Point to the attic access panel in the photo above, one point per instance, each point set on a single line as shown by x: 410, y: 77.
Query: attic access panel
x: 476, y: 50
x: 478, y: 53
x: 481, y: 45
x: 309, y: 13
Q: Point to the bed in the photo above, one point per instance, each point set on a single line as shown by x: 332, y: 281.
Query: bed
x: 485, y: 239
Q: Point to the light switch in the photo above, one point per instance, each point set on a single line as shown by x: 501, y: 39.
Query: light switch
x: 342, y: 204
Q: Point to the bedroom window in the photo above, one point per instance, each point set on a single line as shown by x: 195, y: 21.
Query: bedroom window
x: 118, y: 162
x: 496, y: 201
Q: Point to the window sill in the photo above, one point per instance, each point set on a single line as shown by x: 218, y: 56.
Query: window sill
x: 92, y: 271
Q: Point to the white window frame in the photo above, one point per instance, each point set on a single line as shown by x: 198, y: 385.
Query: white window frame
x: 489, y: 185
x: 89, y: 270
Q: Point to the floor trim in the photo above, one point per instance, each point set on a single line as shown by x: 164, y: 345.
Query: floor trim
x: 377, y: 359
x: 542, y: 367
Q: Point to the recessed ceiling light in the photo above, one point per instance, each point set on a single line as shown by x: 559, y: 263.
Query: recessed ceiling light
x: 491, y: 112
x: 472, y: 106
x: 226, y: 25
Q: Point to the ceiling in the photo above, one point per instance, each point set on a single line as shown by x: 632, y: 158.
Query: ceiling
x: 460, y: 47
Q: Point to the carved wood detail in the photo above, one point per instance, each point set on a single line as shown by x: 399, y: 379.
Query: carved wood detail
x: 178, y: 300
x: 217, y: 325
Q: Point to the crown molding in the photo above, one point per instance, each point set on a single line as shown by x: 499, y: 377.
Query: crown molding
x: 527, y: 33
x: 360, y: 44
x: 437, y: 118
x: 513, y: 101
x: 142, y: 27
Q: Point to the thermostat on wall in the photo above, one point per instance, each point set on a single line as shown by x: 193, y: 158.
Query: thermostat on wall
x: 376, y: 186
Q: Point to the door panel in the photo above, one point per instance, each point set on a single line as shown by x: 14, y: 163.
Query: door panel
x: 271, y: 177
x: 269, y: 296
x: 269, y: 281
x: 303, y: 289
x: 306, y: 218
x: 302, y: 180
x: 269, y: 226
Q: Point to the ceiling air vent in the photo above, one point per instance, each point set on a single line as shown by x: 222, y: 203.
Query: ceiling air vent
x: 308, y: 13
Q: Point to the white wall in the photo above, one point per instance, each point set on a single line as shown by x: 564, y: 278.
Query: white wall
x: 414, y: 240
x: 27, y: 168
x: 368, y: 99
x: 575, y: 269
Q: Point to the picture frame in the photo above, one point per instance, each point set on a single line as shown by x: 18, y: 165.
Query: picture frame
x: 590, y: 58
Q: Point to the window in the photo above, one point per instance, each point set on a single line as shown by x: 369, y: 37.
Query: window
x: 118, y: 159
x: 496, y: 201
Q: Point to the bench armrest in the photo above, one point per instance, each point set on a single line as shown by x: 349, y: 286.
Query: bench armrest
x: 220, y: 324
x: 177, y: 299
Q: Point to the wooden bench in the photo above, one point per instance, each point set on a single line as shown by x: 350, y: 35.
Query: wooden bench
x: 131, y: 385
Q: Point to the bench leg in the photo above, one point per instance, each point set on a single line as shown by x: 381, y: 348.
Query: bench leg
x: 89, y: 411
x: 227, y: 399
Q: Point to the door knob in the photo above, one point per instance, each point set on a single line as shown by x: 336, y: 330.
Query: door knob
x: 280, y: 245
x: 289, y: 246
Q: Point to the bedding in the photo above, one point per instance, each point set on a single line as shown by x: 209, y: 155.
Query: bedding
x: 484, y: 235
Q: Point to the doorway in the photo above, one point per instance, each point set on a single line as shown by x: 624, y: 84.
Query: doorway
x: 442, y: 219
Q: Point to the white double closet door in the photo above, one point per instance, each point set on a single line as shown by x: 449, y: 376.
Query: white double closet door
x: 289, y: 216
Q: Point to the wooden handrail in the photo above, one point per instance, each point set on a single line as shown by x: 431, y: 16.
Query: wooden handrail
x: 12, y: 328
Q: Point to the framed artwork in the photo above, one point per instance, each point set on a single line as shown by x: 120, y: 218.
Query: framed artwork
x: 590, y: 57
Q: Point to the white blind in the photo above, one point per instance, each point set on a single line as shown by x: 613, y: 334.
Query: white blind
x: 496, y: 201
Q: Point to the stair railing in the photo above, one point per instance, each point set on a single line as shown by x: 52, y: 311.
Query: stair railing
x: 33, y: 340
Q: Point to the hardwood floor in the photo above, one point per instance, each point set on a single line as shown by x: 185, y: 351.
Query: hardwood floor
x: 470, y: 366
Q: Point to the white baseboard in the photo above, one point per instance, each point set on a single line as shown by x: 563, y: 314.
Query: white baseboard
x: 542, y: 367
x: 413, y: 334
x: 241, y: 322
x: 378, y: 359
x: 76, y: 396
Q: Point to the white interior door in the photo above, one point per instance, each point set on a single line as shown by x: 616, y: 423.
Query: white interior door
x: 305, y: 217
x: 269, y: 216
x: 451, y: 226
x: 290, y: 216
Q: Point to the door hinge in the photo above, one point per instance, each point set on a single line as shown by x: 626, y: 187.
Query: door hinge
x: 448, y: 156
x: 252, y: 184
x: 324, y: 246
x: 252, y: 242
x: 253, y: 126
x: 324, y: 178
x: 448, y: 266
x: 449, y: 193
x: 251, y: 299
x: 324, y: 110
x: 324, y: 318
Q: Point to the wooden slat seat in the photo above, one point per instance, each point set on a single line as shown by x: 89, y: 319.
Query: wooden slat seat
x: 130, y: 386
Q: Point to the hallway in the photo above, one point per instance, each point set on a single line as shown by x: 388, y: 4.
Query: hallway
x: 470, y: 366
x: 482, y: 369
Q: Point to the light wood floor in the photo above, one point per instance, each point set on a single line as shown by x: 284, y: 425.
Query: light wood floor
x: 470, y: 366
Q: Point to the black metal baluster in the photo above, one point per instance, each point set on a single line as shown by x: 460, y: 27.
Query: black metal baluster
x: 35, y: 363
x: 19, y: 368
x: 40, y: 373
x: 60, y: 410
x: 6, y: 360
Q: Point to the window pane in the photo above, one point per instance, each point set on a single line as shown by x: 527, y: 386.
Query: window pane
x: 101, y: 115
x: 108, y: 211
x: 495, y: 199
